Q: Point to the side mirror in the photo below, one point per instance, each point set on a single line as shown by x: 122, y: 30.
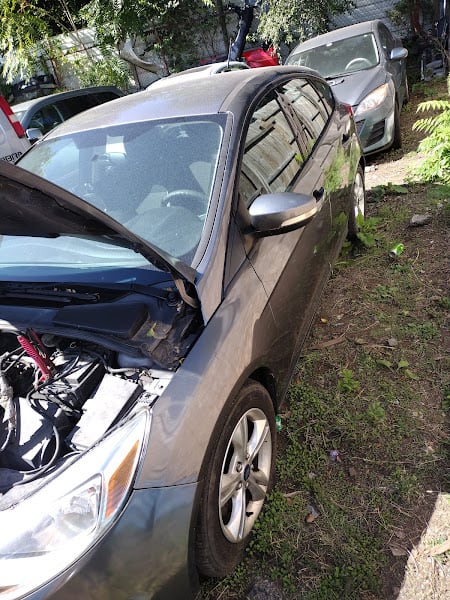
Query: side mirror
x: 34, y: 134
x: 398, y: 53
x: 271, y: 214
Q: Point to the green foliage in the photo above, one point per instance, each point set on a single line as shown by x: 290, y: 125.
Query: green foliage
x: 291, y: 20
x: 347, y: 383
x: 269, y: 524
x: 107, y: 71
x: 161, y: 23
x: 379, y: 192
x: 400, y: 13
x: 376, y: 412
x: 22, y: 25
x: 367, y: 230
x: 26, y: 26
x: 436, y: 146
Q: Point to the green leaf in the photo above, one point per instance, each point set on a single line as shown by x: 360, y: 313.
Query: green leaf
x: 410, y: 374
x: 402, y: 364
x: 384, y: 363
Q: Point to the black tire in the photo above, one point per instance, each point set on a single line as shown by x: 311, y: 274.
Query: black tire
x: 407, y: 93
x: 223, y: 531
x: 358, y: 204
x: 397, y: 141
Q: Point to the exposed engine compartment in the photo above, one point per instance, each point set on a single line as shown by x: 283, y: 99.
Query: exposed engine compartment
x: 58, y: 396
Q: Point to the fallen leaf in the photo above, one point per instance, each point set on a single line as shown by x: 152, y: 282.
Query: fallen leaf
x: 384, y: 363
x: 397, y: 550
x: 411, y: 375
x: 312, y: 514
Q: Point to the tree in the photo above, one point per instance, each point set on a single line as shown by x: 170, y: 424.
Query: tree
x: 173, y: 29
x: 286, y: 21
x: 25, y: 29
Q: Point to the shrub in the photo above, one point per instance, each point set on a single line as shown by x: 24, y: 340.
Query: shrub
x: 436, y: 146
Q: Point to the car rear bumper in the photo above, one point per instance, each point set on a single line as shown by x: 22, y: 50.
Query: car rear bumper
x: 145, y: 556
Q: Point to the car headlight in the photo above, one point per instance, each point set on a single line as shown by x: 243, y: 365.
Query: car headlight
x: 46, y: 533
x: 373, y: 99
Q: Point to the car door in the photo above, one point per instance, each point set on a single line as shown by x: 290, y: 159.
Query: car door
x: 315, y: 115
x: 279, y: 156
x: 397, y: 68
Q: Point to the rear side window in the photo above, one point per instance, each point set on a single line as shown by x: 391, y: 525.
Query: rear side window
x: 312, y: 107
x: 271, y: 154
x: 72, y: 106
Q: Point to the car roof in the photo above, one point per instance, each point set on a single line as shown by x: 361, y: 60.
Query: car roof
x: 338, y: 34
x: 51, y: 98
x: 191, y: 93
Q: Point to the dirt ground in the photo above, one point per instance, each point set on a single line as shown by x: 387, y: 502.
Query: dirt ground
x: 395, y: 166
x: 426, y: 574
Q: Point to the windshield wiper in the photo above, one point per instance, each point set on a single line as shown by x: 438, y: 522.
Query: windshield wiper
x: 47, y: 292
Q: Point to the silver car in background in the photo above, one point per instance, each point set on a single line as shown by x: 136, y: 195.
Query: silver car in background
x: 162, y: 258
x: 366, y: 67
x: 39, y: 115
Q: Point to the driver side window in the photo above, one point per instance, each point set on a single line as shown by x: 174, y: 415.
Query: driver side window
x: 271, y: 154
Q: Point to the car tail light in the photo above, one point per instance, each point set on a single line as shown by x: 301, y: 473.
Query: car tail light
x: 12, y: 118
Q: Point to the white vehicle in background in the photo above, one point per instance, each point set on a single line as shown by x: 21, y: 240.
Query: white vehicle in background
x: 13, y: 140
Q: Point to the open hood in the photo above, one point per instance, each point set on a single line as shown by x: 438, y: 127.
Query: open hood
x: 32, y: 206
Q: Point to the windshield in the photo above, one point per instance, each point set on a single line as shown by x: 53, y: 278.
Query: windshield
x: 155, y: 178
x: 341, y: 57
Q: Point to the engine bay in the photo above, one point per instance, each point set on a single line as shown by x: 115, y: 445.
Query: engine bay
x: 58, y: 396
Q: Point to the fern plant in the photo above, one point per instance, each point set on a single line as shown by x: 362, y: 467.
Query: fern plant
x: 436, y: 146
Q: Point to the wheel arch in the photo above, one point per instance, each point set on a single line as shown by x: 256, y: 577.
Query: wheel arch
x: 266, y: 378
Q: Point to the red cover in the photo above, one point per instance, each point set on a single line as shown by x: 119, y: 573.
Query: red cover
x: 257, y: 57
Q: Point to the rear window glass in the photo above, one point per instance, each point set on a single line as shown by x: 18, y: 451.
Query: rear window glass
x: 72, y: 106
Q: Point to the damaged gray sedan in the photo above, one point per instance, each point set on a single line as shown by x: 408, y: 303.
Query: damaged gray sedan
x: 162, y: 258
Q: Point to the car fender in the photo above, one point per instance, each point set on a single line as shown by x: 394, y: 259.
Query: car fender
x: 232, y: 346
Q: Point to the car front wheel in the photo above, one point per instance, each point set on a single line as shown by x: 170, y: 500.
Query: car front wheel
x: 238, y: 476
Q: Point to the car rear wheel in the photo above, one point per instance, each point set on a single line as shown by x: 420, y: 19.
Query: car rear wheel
x: 238, y: 476
x: 407, y: 95
x: 358, y: 204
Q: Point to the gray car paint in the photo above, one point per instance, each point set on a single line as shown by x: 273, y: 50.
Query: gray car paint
x: 144, y: 556
x: 252, y: 291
